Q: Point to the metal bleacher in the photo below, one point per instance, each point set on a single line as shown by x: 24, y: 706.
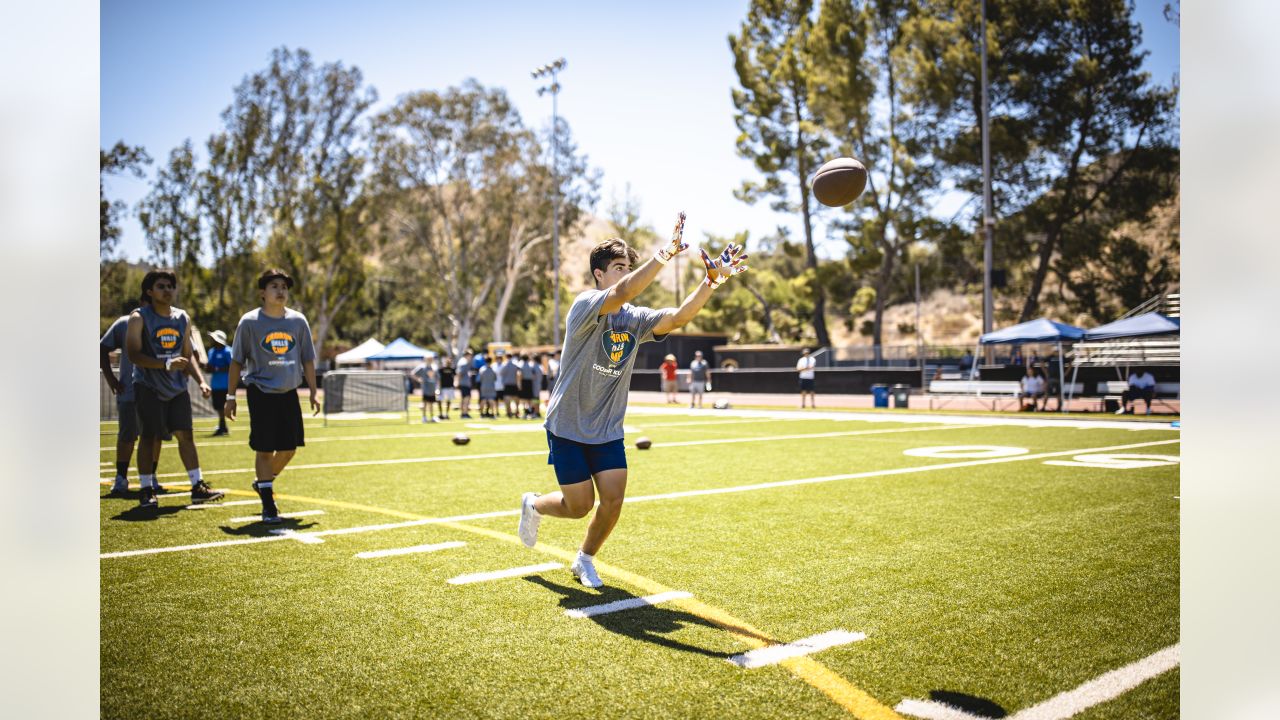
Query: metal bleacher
x: 1122, y: 353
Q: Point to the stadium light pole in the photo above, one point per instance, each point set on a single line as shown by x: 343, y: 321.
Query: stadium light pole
x: 554, y: 88
x: 988, y: 221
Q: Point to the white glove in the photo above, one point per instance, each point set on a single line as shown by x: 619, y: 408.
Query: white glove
x: 729, y: 263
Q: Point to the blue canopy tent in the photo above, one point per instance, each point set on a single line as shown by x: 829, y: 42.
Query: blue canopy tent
x: 1151, y: 323
x: 401, y: 349
x: 1042, y: 330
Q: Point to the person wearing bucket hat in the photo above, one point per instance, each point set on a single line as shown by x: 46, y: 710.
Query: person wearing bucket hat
x: 219, y: 361
x: 669, y: 386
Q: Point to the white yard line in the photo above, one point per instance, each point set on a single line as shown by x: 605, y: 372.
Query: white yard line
x: 1057, y: 420
x: 664, y: 496
x: 1107, y: 686
x: 499, y: 574
x: 410, y: 550
x: 255, y: 518
x: 628, y: 604
x: 774, y: 654
x: 532, y: 453
x: 508, y: 429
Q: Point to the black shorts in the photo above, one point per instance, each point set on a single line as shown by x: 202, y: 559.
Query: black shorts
x: 526, y: 390
x: 806, y: 384
x: 219, y: 400
x: 158, y: 418
x: 275, y: 420
x: 502, y: 394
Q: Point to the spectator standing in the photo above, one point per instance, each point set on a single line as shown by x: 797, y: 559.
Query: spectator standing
x: 699, y: 379
x: 669, y: 385
x: 425, y: 375
x: 509, y: 390
x: 448, y: 380
x: 487, y: 381
x: 219, y: 362
x: 808, y: 378
x: 466, y: 380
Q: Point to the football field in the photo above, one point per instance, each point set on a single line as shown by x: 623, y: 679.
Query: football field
x: 767, y: 564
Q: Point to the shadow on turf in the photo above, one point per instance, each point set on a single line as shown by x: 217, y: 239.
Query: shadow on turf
x: 649, y: 624
x: 981, y: 707
x: 258, y: 528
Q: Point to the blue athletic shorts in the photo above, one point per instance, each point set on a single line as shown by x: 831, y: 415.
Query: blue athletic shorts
x: 575, y: 461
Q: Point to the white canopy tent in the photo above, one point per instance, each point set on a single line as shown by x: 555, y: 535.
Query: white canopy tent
x: 359, y: 354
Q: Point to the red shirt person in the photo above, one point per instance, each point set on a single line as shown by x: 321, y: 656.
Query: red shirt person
x: 668, y: 368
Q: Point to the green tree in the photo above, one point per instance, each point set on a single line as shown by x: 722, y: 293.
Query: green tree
x: 121, y: 158
x: 302, y: 123
x: 778, y: 130
x: 1073, y: 115
x: 170, y: 218
x: 233, y: 223
x: 440, y: 161
x: 860, y: 55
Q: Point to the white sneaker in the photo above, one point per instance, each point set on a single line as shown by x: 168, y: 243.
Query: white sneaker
x: 1120, y: 411
x: 585, y: 571
x: 529, y: 519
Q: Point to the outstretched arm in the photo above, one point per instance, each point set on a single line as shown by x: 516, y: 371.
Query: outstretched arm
x: 634, y: 283
x: 729, y: 263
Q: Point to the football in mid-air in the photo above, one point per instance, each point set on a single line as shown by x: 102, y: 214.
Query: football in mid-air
x: 839, y: 182
x: 461, y: 439
x: 643, y: 443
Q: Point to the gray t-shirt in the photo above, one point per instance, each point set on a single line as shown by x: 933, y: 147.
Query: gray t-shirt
x: 698, y: 371
x: 162, y: 339
x: 112, y: 340
x: 273, y: 350
x: 507, y: 373
x: 488, y: 380
x: 427, y: 378
x: 589, y: 399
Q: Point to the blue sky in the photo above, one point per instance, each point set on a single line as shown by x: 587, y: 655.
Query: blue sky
x: 646, y: 89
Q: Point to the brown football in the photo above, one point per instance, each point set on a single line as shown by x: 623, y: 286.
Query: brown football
x: 839, y: 182
x: 643, y: 443
x: 461, y: 439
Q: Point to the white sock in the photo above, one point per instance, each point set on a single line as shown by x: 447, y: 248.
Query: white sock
x: 194, y: 475
x: 584, y: 556
x: 148, y: 480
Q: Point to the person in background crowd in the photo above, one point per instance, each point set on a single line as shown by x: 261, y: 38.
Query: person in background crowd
x: 699, y: 379
x: 509, y: 391
x: 447, y: 380
x: 219, y: 361
x: 668, y: 377
x: 466, y: 380
x: 487, y: 381
x: 808, y: 378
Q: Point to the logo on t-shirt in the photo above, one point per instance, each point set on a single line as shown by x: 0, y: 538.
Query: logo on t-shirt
x: 618, y: 345
x: 168, y: 338
x: 278, y: 342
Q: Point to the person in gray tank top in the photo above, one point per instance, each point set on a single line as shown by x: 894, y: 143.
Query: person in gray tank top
x: 589, y: 399
x: 158, y: 341
x: 272, y: 354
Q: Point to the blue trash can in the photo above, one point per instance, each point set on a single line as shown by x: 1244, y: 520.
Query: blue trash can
x: 881, y: 395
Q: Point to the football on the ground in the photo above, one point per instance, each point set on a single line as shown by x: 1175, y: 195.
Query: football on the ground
x: 643, y: 443
x: 839, y: 182
x: 461, y: 439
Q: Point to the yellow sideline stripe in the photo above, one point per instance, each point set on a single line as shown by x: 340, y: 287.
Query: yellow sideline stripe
x: 841, y: 691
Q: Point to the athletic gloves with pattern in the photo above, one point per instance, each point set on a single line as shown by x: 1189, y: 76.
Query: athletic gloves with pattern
x: 729, y: 263
x: 677, y: 244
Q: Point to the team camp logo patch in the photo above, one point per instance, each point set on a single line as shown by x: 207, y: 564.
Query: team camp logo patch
x: 168, y: 338
x: 278, y: 342
x: 618, y: 345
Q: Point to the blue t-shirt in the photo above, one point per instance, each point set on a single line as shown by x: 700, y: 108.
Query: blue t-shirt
x: 219, y: 361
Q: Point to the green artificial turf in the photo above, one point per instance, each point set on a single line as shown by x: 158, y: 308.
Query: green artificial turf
x: 1008, y: 582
